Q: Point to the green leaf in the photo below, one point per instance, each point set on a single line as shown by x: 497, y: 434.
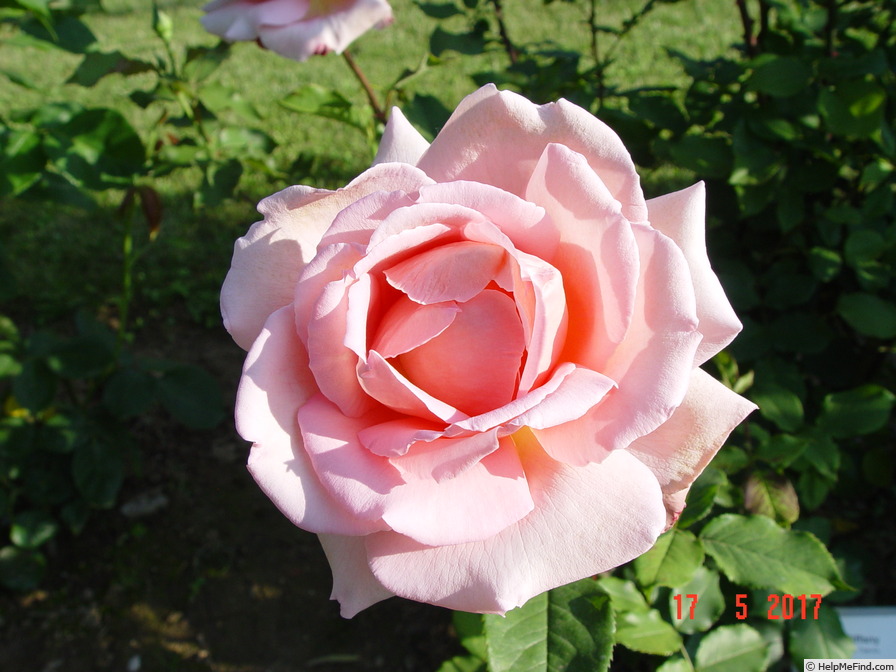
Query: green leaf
x: 731, y: 648
x: 780, y: 76
x: 22, y: 160
x: 647, y: 632
x: 31, y: 529
x: 96, y: 65
x: 98, y: 148
x: 81, y: 357
x: 192, y: 396
x: 709, y: 606
x: 773, y: 496
x: 825, y: 264
x: 35, y: 386
x: 778, y: 404
x: 853, y: 109
x: 471, y: 43
x: 98, y: 470
x: 322, y: 102
x: 781, y: 450
x: 754, y: 551
x: 463, y: 664
x: 471, y: 633
x: 819, y: 638
x: 675, y: 665
x: 568, y: 628
x: 624, y: 594
x: 672, y: 561
x: 21, y: 569
x: 859, y: 411
x: 129, y: 392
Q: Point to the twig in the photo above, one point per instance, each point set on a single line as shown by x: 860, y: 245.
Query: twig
x: 512, y: 51
x: 378, y: 111
x: 749, y: 38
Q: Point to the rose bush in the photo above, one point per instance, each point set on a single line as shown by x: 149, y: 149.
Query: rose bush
x: 296, y: 29
x: 473, y: 371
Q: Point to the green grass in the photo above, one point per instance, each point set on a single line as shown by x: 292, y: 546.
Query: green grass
x: 186, y: 264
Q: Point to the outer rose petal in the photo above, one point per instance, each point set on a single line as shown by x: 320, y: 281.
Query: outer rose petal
x: 475, y: 505
x: 401, y: 142
x: 268, y: 259
x: 275, y: 383
x: 331, y: 31
x: 354, y: 585
x: 681, y: 216
x: 586, y: 520
x: 489, y: 119
x: 681, y: 447
x: 239, y: 20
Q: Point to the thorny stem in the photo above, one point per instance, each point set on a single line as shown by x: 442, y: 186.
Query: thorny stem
x: 378, y: 111
x: 512, y: 51
x: 749, y: 38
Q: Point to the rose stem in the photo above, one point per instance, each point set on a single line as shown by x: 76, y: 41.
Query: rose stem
x: 378, y: 111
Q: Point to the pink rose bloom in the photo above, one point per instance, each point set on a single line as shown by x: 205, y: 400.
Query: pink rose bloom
x: 473, y: 371
x: 296, y: 29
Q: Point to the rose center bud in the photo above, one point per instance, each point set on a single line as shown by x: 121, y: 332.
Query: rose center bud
x: 473, y: 363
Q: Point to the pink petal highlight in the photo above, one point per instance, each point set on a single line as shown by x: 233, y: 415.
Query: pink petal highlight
x: 489, y: 119
x: 474, y: 505
x: 385, y: 384
x: 681, y: 216
x: 473, y: 365
x: 393, y: 438
x: 440, y: 459
x: 354, y: 476
x: 354, y: 585
x: 452, y: 272
x: 401, y: 142
x: 523, y: 222
x: 407, y: 325
x: 679, y: 449
x: 276, y: 382
x: 586, y: 520
x: 597, y: 255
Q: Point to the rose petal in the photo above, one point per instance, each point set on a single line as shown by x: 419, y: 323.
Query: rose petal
x: 401, y: 142
x: 440, y: 459
x: 597, y: 255
x: 267, y: 261
x: 394, y: 437
x: 523, y: 222
x: 679, y: 449
x: 586, y: 520
x: 488, y: 118
x: 275, y: 383
x: 476, y: 504
x: 357, y: 479
x: 385, y: 384
x: 358, y: 221
x: 653, y: 364
x: 354, y: 585
x: 452, y: 272
x: 239, y: 20
x: 569, y: 393
x: 333, y: 363
x: 472, y: 365
x: 328, y: 32
x: 407, y: 325
x: 681, y: 216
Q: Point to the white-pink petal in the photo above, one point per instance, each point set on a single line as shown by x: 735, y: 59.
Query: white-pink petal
x: 489, y: 119
x: 586, y: 520
x: 682, y: 216
x: 475, y: 505
x: 276, y: 382
x: 354, y: 585
x: 679, y: 449
x: 401, y: 142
